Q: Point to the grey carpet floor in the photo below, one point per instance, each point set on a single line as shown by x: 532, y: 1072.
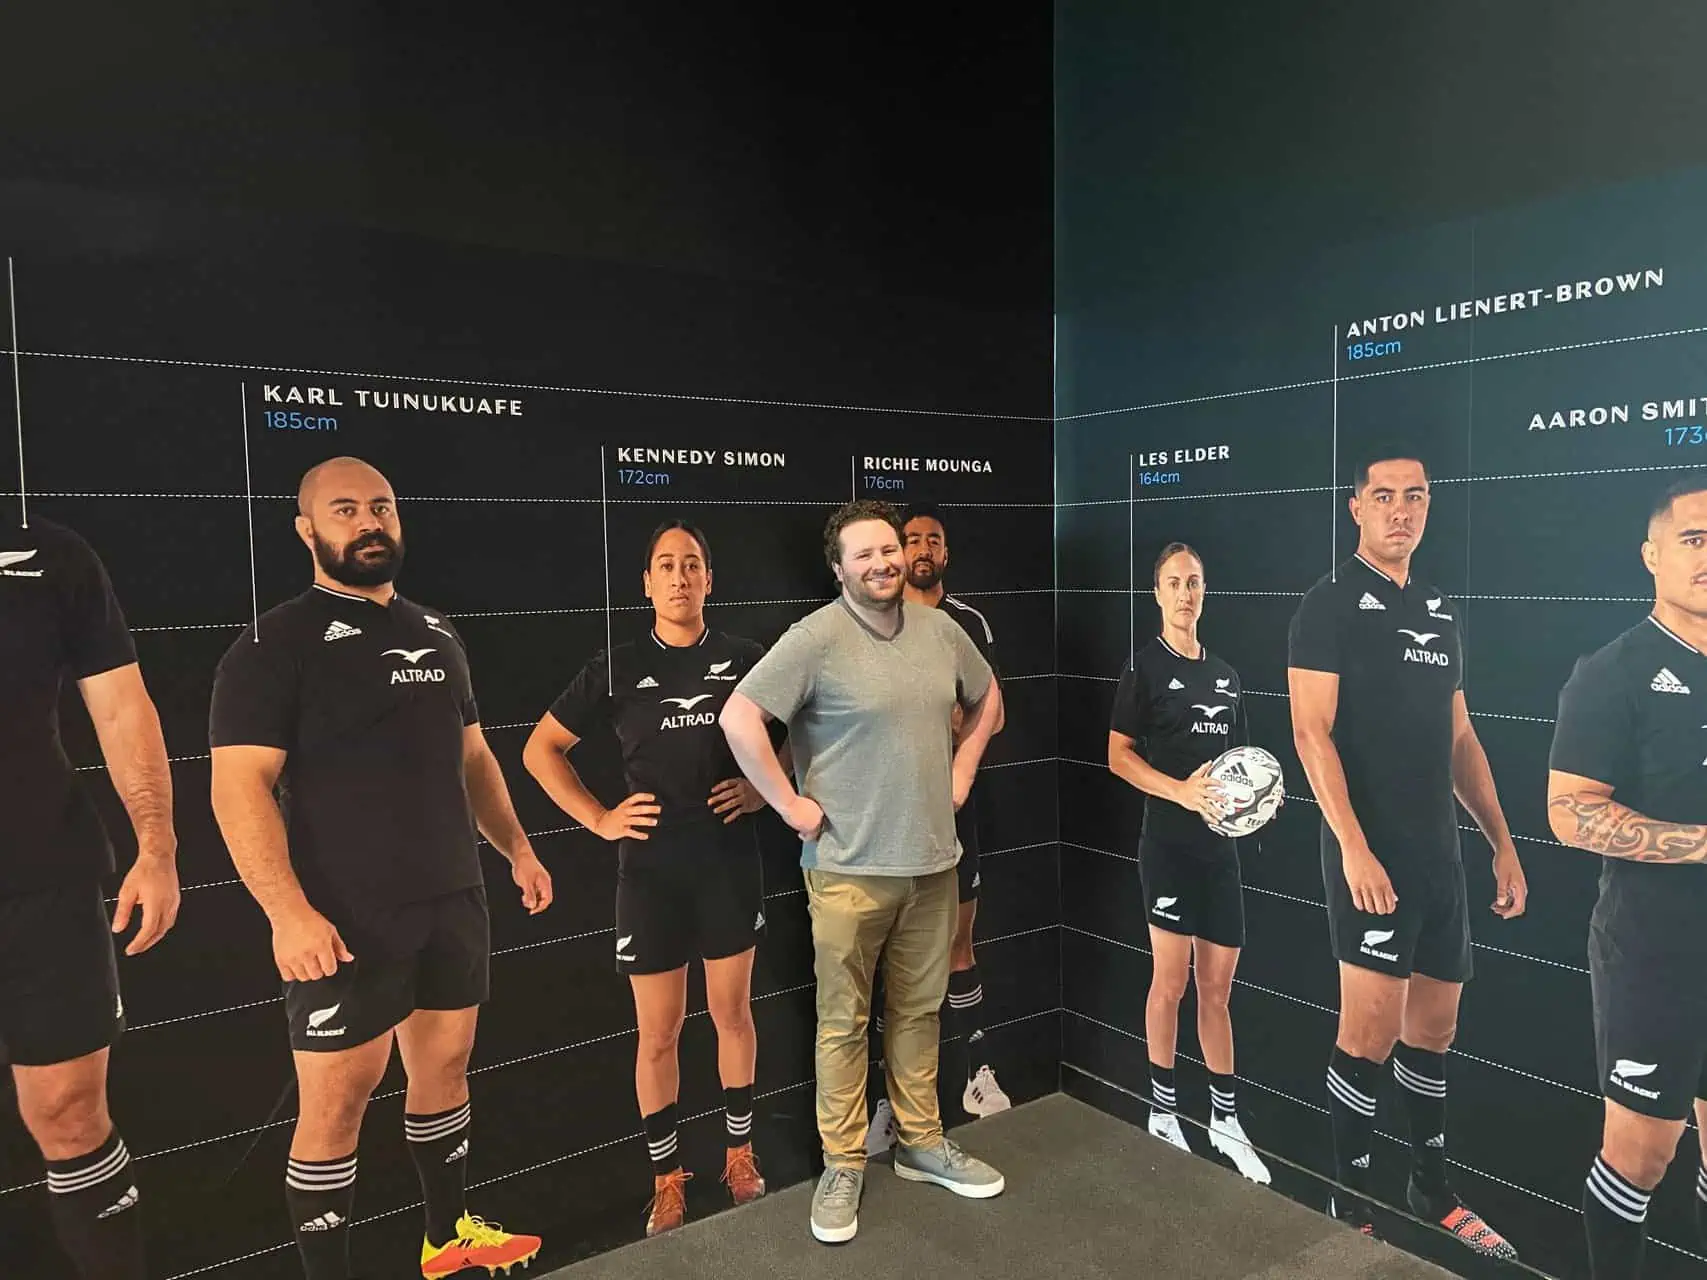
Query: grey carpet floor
x: 1087, y: 1195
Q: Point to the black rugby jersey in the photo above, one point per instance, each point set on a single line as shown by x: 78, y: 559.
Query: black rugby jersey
x: 1182, y: 712
x: 1399, y: 654
x: 977, y: 626
x: 58, y: 618
x: 663, y: 702
x: 1634, y: 715
x: 370, y: 701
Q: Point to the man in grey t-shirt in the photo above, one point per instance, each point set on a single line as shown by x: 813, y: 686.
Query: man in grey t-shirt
x: 868, y: 687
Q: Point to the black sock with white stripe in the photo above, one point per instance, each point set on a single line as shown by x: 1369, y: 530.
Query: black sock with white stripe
x: 1164, y: 1099
x: 321, y: 1194
x: 738, y: 1114
x: 661, y: 1141
x: 1351, y: 1106
x: 439, y: 1146
x: 93, y: 1200
x: 1615, y: 1216
x: 965, y: 995
x: 1701, y: 1200
x: 1421, y: 1077
x: 1223, y: 1102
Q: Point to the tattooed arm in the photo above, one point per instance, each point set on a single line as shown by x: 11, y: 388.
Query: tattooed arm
x: 1584, y: 815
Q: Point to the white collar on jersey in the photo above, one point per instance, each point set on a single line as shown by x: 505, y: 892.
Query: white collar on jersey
x: 703, y: 635
x: 1202, y: 652
x: 1384, y: 576
x: 1668, y: 631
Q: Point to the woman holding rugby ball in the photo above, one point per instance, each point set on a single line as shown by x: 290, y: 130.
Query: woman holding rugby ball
x: 1178, y: 707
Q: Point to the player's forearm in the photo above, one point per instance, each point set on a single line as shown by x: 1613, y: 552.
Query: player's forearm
x: 490, y: 800
x: 1322, y: 766
x: 254, y: 832
x: 1598, y: 823
x: 558, y: 779
x: 135, y: 752
x: 743, y: 725
x: 979, y: 729
x: 1130, y: 767
x: 1473, y: 783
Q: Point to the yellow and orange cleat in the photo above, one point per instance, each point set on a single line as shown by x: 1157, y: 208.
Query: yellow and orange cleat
x: 741, y: 1174
x: 478, y: 1243
x: 669, y: 1202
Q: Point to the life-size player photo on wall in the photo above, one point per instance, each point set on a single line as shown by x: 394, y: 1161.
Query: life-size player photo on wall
x: 1177, y: 710
x: 1379, y: 718
x: 925, y: 545
x: 356, y: 706
x: 689, y: 879
x: 60, y: 1006
x: 1625, y: 781
x: 867, y: 686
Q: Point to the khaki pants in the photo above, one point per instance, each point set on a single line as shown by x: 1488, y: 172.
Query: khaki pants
x: 910, y: 920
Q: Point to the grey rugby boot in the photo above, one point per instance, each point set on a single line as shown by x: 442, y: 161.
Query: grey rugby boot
x: 948, y: 1166
x: 835, y: 1204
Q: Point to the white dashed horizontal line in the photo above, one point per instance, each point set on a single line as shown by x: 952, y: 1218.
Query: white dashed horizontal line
x: 1385, y: 373
x: 1322, y: 1008
x: 1321, y: 1110
x: 433, y: 380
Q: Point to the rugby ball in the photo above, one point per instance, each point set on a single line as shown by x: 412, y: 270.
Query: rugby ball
x: 1252, y: 788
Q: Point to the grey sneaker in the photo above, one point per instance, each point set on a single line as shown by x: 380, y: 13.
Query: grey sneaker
x: 948, y: 1166
x: 835, y: 1204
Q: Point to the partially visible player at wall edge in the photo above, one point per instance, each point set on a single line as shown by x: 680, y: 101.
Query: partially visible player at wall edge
x: 689, y: 878
x: 60, y: 1006
x: 1176, y: 709
x: 1381, y: 725
x: 1626, y: 781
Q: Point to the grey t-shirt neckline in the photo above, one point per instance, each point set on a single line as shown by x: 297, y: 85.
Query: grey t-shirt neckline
x: 873, y: 632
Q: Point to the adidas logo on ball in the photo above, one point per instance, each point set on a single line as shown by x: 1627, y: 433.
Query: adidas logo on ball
x: 1252, y: 789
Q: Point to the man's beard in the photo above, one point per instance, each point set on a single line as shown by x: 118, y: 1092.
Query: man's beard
x: 345, y: 565
x: 922, y: 575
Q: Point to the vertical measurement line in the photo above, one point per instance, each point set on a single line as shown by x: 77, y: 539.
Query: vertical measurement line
x: 1470, y: 433
x: 853, y: 476
x: 17, y: 392
x: 604, y: 520
x: 249, y: 506
x: 1131, y: 560
x: 1334, y: 476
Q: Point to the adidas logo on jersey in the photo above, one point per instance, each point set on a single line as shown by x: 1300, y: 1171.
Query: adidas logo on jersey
x: 126, y: 1201
x: 330, y: 1221
x: 1362, y: 1162
x: 646, y: 682
x: 1175, y: 683
x: 1370, y: 602
x: 1665, y: 682
x: 759, y: 922
x: 340, y: 631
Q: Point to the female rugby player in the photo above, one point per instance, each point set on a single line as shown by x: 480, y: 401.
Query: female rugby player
x: 688, y: 881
